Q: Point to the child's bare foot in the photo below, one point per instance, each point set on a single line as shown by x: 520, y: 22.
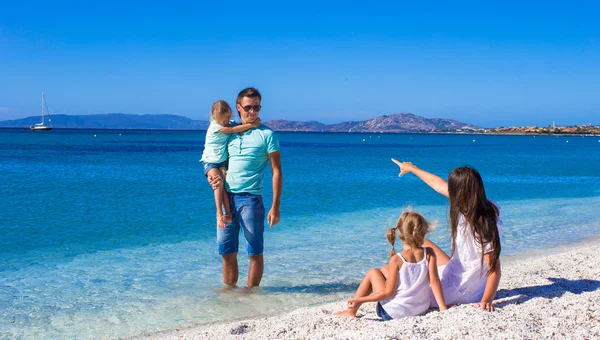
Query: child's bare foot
x: 347, y: 313
x: 227, y: 218
x: 220, y: 222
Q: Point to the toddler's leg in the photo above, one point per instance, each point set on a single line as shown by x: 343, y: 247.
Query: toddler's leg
x: 218, y: 192
x: 227, y: 216
x: 374, y: 281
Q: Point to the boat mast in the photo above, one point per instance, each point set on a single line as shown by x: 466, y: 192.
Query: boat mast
x: 42, y: 107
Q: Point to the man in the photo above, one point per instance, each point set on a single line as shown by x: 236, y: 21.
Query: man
x: 249, y: 153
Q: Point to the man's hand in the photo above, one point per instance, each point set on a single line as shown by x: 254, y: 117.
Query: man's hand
x: 273, y: 217
x: 214, y: 181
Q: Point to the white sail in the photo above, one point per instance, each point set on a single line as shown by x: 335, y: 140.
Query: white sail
x: 41, y: 126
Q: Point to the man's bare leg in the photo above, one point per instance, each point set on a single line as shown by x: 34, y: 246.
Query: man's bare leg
x: 255, y: 272
x: 230, y: 270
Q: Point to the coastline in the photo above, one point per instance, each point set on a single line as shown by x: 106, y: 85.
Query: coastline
x: 550, y: 294
x: 388, y: 132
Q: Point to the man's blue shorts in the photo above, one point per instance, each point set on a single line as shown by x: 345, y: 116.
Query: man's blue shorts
x: 248, y: 214
x: 209, y: 166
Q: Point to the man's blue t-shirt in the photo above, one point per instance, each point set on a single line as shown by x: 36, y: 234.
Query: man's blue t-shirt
x: 248, y: 158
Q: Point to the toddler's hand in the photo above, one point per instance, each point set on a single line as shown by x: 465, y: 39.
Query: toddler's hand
x: 257, y: 122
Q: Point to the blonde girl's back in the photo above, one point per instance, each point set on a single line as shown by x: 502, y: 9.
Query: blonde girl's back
x: 413, y: 293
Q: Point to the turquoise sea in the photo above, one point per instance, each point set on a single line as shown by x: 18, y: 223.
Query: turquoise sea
x: 110, y: 233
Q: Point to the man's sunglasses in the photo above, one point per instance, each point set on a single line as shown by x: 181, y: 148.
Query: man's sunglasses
x: 256, y: 108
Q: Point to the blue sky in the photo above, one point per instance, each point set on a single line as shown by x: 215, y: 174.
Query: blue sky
x: 485, y: 63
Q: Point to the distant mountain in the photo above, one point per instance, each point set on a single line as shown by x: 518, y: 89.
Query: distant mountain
x: 113, y: 121
x: 401, y: 122
x: 286, y: 125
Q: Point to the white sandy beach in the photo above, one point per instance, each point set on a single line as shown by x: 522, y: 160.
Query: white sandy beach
x: 555, y: 296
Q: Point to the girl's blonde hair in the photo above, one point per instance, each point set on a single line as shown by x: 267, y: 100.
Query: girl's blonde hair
x: 412, y: 228
x: 220, y: 109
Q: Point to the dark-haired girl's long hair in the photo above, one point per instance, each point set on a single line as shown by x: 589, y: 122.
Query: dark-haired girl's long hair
x: 467, y: 197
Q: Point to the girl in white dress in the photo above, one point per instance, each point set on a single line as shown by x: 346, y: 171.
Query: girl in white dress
x: 472, y: 273
x: 402, y: 287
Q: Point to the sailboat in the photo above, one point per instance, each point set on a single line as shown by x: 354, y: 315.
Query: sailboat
x: 41, y: 126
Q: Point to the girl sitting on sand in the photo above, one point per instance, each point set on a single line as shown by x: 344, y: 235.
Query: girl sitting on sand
x: 214, y: 157
x: 472, y: 273
x: 402, y: 286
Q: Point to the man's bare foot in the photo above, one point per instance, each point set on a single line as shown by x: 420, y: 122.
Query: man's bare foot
x: 226, y: 288
x: 220, y: 221
x: 248, y: 290
x: 347, y: 313
x: 227, y: 218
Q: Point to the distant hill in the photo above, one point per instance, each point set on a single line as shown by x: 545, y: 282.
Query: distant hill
x: 286, y: 125
x: 401, y: 122
x: 113, y: 121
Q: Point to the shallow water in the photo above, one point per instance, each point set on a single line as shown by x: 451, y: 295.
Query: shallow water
x: 112, y: 235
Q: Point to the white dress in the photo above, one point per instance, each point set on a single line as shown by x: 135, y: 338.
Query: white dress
x: 464, y: 278
x: 412, y: 295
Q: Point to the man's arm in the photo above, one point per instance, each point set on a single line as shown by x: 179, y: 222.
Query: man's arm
x: 274, y: 212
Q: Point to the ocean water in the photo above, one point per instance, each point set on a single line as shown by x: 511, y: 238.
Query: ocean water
x: 110, y: 233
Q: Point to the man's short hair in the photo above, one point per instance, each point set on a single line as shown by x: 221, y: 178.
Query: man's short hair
x: 249, y: 92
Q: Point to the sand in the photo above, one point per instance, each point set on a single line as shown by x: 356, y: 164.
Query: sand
x: 556, y: 296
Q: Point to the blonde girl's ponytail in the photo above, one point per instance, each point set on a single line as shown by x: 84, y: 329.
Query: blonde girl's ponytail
x: 412, y: 228
x: 391, y: 237
x: 419, y: 231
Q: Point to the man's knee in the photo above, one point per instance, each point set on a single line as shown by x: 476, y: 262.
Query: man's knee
x: 229, y: 257
x: 258, y: 257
